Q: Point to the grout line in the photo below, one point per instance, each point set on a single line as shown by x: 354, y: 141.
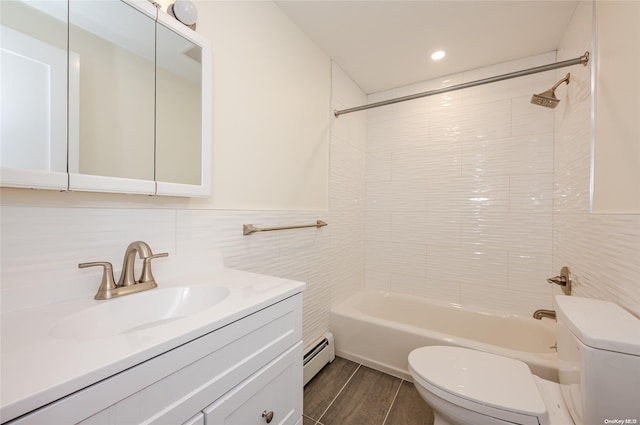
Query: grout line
x: 339, y: 392
x: 392, y: 402
x: 315, y: 422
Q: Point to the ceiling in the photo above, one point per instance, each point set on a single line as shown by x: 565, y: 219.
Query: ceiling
x: 387, y: 44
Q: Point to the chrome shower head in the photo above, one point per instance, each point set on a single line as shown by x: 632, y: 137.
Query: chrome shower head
x: 548, y: 98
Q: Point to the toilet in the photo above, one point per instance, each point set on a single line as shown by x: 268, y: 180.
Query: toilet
x: 599, y: 374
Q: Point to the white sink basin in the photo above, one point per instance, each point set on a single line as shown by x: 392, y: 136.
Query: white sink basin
x: 139, y: 311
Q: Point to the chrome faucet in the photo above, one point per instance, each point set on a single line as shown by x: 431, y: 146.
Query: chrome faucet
x: 127, y: 284
x: 539, y: 314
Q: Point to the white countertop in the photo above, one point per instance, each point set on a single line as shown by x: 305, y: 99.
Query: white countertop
x: 37, y: 367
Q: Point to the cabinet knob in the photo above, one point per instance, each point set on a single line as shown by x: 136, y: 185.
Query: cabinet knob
x: 268, y: 416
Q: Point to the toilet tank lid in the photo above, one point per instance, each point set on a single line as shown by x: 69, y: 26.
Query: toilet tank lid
x: 600, y: 324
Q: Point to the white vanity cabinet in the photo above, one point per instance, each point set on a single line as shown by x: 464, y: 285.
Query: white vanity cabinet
x: 229, y: 376
x: 265, y: 397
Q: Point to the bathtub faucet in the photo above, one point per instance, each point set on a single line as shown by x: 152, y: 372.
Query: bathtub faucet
x: 539, y: 314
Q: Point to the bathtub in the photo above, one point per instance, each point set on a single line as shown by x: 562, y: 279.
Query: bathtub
x: 379, y: 329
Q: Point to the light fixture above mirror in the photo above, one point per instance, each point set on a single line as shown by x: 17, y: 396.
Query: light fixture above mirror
x: 184, y: 11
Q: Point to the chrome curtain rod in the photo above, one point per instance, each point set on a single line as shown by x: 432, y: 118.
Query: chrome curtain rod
x: 584, y: 60
x: 248, y: 229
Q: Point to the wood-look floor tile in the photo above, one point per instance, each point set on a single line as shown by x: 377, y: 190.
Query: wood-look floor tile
x: 323, y: 388
x: 409, y: 408
x: 365, y: 400
x: 307, y: 421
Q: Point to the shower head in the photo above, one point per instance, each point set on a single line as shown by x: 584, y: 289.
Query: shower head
x: 548, y: 98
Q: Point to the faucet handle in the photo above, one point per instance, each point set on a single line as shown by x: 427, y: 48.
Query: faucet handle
x: 108, y: 283
x: 564, y: 280
x: 146, y: 276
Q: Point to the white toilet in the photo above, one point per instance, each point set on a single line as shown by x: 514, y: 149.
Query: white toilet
x: 599, y: 369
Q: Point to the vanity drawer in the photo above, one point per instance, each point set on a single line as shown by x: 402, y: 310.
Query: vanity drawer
x: 272, y: 395
x: 172, y: 387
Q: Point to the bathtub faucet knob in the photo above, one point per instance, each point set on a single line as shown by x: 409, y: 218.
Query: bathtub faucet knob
x: 558, y: 280
x: 564, y: 280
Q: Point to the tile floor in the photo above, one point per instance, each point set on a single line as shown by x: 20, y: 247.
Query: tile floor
x: 347, y: 393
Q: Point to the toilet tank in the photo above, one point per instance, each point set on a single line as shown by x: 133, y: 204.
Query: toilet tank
x: 598, y: 361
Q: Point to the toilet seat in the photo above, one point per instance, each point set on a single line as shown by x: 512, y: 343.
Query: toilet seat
x: 491, y: 385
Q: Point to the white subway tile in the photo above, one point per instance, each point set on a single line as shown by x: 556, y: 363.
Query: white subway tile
x: 410, y: 227
x: 379, y: 195
x: 427, y: 288
x: 407, y: 258
x: 484, y: 229
x: 531, y: 193
x: 484, y: 195
x: 377, y: 280
x: 378, y: 225
x: 527, y: 118
x: 379, y: 166
x: 476, y: 122
x: 529, y: 271
x: 443, y: 230
x: 532, y: 154
x: 529, y: 231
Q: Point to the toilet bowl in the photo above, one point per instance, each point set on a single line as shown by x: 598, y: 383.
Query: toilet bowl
x: 468, y: 387
x: 598, y: 346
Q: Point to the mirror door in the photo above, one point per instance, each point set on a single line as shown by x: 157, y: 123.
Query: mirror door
x: 33, y: 127
x: 112, y: 47
x: 182, y: 110
x: 179, y: 109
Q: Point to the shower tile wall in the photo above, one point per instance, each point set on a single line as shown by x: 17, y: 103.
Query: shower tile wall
x: 602, y: 250
x: 459, y: 192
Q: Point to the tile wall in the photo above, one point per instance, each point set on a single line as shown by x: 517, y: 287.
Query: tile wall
x: 41, y: 245
x: 459, y: 191
x: 602, y: 250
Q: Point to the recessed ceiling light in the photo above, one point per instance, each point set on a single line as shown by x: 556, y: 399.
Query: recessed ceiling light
x: 436, y: 56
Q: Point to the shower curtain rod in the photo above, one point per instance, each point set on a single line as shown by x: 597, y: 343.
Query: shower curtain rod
x: 584, y: 60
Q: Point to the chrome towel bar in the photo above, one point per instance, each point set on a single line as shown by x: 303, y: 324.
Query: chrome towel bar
x: 248, y: 229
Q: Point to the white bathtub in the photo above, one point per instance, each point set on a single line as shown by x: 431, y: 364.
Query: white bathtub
x: 379, y: 329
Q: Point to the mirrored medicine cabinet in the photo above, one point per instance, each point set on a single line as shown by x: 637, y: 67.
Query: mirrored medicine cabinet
x: 103, y: 96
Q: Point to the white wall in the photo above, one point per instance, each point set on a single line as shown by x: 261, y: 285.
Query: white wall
x: 272, y: 89
x: 617, y: 109
x: 459, y: 192
x: 602, y: 250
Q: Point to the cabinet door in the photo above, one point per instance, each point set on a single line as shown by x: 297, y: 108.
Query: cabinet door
x: 274, y: 391
x: 33, y: 83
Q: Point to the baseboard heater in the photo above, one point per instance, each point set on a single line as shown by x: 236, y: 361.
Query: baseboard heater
x: 317, y: 356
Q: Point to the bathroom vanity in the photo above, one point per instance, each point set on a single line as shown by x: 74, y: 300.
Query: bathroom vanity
x: 226, y: 350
